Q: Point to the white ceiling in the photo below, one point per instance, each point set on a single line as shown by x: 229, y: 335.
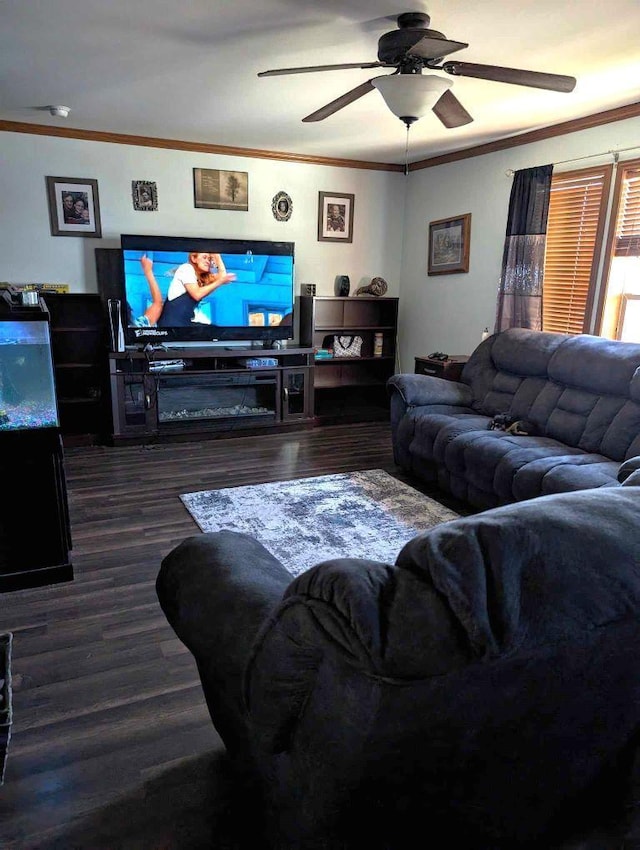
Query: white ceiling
x: 187, y: 71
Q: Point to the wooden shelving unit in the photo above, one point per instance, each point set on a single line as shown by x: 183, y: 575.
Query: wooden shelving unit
x: 351, y: 389
x: 79, y: 347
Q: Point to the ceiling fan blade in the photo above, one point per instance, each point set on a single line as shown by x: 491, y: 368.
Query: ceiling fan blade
x: 340, y: 102
x: 311, y: 68
x: 434, y: 47
x: 516, y: 76
x: 451, y: 112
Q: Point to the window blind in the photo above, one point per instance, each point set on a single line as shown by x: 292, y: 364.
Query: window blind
x: 627, y: 239
x: 576, y: 219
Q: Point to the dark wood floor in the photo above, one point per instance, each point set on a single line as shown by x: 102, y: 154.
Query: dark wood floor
x: 112, y: 745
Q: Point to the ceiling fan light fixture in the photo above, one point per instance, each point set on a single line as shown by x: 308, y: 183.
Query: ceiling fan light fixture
x: 411, y: 96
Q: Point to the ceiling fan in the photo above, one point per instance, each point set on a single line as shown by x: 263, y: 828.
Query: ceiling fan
x: 409, y: 94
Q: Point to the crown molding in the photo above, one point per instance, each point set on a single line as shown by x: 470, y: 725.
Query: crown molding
x: 620, y: 113
x: 180, y: 145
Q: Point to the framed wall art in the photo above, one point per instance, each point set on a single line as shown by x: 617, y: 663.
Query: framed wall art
x: 144, y: 195
x: 281, y: 207
x: 449, y: 240
x: 220, y: 190
x: 74, y: 209
x: 335, y: 217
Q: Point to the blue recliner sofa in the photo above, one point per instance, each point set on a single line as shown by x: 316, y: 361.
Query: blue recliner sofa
x: 579, y: 400
x: 481, y: 692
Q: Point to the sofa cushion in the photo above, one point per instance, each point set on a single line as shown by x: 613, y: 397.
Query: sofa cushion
x: 489, y: 460
x: 580, y: 390
x: 564, y: 473
x: 430, y: 426
x: 596, y: 364
x: 505, y: 365
x: 622, y: 438
x: 512, y: 467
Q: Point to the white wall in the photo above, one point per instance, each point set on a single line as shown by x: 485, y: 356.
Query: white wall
x: 449, y: 312
x: 29, y: 254
x: 445, y: 312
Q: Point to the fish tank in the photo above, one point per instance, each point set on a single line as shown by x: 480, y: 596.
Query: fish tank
x: 27, y: 385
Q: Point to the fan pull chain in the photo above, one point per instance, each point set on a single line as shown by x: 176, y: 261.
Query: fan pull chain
x: 406, y: 153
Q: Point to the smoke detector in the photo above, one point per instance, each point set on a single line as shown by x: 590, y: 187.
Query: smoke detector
x: 59, y: 111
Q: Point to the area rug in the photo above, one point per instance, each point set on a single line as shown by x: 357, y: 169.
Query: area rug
x: 365, y: 514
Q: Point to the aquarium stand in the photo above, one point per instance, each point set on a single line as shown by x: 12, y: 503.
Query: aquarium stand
x: 35, y: 534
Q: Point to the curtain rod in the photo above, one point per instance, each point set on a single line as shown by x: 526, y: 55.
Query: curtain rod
x: 615, y: 153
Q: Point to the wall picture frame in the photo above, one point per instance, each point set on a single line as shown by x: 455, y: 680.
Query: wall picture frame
x: 282, y: 206
x: 335, y: 217
x: 144, y: 195
x: 449, y: 241
x: 220, y: 190
x: 74, y: 206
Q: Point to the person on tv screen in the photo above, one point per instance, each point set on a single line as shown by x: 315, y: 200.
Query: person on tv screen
x: 192, y: 281
x: 153, y: 312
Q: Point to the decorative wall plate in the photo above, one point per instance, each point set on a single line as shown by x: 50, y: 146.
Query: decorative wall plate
x: 282, y: 207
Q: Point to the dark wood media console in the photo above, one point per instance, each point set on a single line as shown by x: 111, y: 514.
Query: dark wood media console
x: 214, y: 391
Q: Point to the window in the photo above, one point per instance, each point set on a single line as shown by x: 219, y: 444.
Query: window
x: 577, y: 210
x: 618, y: 316
x: 627, y: 233
x: 629, y: 322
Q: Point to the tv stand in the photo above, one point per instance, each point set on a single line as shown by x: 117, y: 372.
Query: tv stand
x: 197, y: 392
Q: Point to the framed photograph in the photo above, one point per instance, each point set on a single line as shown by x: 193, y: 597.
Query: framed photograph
x: 335, y: 217
x: 449, y: 245
x: 144, y: 195
x: 74, y: 209
x: 281, y: 207
x: 221, y: 190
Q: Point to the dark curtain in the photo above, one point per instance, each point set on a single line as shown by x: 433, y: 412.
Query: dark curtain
x: 520, y: 292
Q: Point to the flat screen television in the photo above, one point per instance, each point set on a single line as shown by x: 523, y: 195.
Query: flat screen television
x: 179, y: 290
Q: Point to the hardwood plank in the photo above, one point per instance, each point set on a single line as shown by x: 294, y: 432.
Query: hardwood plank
x: 112, y: 746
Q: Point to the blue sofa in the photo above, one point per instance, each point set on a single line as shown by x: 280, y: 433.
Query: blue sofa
x: 484, y: 688
x: 579, y: 397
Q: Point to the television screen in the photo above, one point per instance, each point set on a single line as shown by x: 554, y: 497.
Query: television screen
x: 178, y: 289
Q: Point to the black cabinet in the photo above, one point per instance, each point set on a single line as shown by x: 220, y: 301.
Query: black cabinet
x: 79, y: 346
x: 35, y: 535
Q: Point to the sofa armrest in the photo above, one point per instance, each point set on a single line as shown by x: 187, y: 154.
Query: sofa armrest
x: 417, y: 390
x: 365, y: 616
x: 216, y: 591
